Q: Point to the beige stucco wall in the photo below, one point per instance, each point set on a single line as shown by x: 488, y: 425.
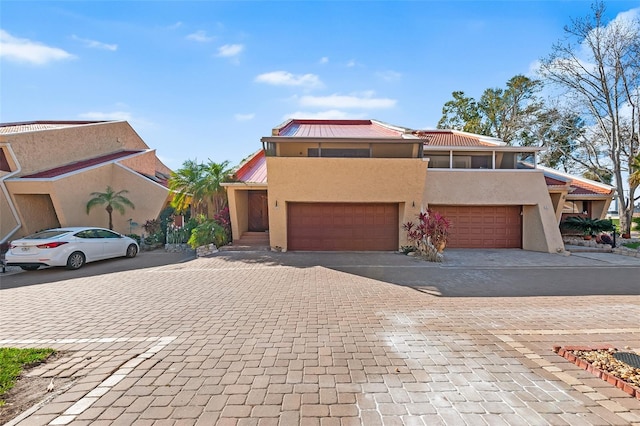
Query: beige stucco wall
x: 70, y: 194
x: 37, y: 212
x: 143, y: 163
x: 500, y: 187
x: 599, y: 208
x: 346, y: 180
x: 42, y: 150
x: 238, y: 200
x: 7, y: 219
x: 557, y: 201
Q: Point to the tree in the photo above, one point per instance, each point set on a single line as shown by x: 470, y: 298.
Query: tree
x: 113, y: 200
x: 184, y: 183
x: 597, y: 67
x: 214, y: 175
x: 462, y: 113
x: 511, y: 111
x: 196, y: 184
x: 558, y: 132
x: 503, y: 113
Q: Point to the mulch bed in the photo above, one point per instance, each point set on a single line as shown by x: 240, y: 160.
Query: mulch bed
x: 600, y: 361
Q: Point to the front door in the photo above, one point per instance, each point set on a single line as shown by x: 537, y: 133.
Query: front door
x: 258, y: 211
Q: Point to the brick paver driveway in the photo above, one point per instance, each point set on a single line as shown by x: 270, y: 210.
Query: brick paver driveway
x: 267, y: 339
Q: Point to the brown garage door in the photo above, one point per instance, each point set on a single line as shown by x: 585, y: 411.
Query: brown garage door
x: 342, y: 226
x: 483, y: 226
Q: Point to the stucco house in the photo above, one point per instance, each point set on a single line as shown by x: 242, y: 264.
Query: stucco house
x: 351, y: 184
x: 48, y: 169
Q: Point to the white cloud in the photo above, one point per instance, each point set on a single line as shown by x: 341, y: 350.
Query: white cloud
x: 175, y: 26
x: 105, y: 116
x: 366, y: 100
x: 230, y: 50
x: 24, y: 50
x: 244, y: 117
x: 95, y: 44
x: 333, y: 114
x: 324, y: 60
x: 199, y: 36
x: 389, y: 75
x: 283, y: 78
x: 352, y: 63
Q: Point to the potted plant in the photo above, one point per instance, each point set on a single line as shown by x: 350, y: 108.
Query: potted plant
x: 588, y: 226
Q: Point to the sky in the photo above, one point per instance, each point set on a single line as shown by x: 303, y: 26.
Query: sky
x: 205, y: 80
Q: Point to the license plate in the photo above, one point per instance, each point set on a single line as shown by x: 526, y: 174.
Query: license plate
x: 25, y: 249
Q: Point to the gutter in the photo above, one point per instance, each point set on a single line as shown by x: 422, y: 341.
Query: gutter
x: 3, y: 186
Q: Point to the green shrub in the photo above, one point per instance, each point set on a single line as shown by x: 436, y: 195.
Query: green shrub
x: 636, y: 222
x: 587, y: 226
x: 208, y: 232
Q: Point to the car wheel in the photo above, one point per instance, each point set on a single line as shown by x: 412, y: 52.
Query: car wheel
x: 132, y: 250
x: 75, y: 260
x: 29, y: 267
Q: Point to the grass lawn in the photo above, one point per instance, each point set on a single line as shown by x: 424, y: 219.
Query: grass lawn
x: 13, y: 360
x: 632, y: 245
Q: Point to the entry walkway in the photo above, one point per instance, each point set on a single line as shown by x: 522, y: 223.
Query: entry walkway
x: 327, y: 339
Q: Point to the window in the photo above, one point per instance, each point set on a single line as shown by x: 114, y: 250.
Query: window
x: 4, y: 163
x: 339, y: 152
x: 103, y: 233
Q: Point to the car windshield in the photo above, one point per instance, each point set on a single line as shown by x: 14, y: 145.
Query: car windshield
x: 45, y: 235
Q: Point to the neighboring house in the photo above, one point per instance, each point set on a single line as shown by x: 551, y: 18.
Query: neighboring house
x: 351, y: 184
x: 48, y: 169
x: 577, y: 196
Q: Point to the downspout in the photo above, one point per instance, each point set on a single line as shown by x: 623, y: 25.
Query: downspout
x: 7, y: 196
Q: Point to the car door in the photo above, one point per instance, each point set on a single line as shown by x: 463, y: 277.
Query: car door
x: 90, y: 244
x: 112, y: 242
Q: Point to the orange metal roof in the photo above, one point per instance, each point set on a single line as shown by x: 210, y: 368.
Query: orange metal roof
x: 337, y: 129
x: 253, y: 170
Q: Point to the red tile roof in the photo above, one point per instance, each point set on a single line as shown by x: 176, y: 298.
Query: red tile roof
x: 450, y: 138
x: 337, y: 129
x: 584, y: 188
x: 32, y: 126
x: 80, y: 165
x: 577, y: 185
x: 253, y: 170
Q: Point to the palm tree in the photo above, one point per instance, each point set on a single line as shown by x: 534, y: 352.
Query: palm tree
x: 185, y: 183
x: 214, y: 175
x: 195, y: 184
x: 113, y: 200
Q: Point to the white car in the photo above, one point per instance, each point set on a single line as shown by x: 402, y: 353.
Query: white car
x: 71, y: 247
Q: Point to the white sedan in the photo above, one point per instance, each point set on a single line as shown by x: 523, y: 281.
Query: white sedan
x: 71, y: 247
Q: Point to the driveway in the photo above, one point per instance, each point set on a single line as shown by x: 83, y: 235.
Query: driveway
x: 332, y: 338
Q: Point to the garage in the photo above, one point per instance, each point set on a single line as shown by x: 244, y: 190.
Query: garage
x: 483, y: 226
x: 342, y: 226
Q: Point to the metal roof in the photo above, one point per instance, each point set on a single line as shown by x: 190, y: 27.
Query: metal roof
x: 337, y: 129
x: 34, y: 126
x: 254, y: 170
x: 68, y: 168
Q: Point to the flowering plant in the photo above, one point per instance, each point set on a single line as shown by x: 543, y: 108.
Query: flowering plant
x: 429, y: 234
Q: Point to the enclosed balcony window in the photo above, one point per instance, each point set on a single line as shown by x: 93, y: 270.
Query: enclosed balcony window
x: 339, y: 152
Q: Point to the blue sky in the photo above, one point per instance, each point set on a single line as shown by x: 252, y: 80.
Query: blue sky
x: 207, y: 79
